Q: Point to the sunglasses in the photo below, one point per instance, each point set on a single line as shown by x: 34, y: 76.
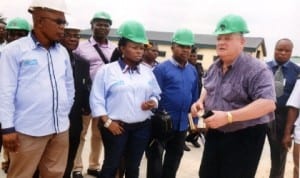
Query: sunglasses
x: 57, y: 21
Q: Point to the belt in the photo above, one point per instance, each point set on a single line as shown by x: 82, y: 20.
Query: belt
x: 134, y: 125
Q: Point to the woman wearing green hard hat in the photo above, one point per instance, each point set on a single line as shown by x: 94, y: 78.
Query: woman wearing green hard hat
x: 17, y: 28
x: 122, y: 96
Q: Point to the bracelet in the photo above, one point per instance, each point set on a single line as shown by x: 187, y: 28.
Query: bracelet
x: 229, y: 117
x: 107, y: 123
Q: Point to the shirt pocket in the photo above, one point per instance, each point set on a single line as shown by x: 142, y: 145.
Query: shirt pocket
x: 233, y: 92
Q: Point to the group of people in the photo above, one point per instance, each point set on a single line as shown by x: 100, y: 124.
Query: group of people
x: 53, y: 86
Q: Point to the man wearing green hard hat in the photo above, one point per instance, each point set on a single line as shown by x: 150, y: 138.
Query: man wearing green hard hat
x: 178, y: 80
x: 122, y: 96
x: 16, y: 28
x: 97, y: 50
x: 239, y: 90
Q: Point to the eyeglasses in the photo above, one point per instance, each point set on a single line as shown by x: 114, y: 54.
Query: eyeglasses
x: 57, y: 21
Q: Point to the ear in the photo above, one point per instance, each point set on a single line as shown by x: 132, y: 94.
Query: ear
x: 172, y: 46
x: 122, y: 48
x: 243, y: 41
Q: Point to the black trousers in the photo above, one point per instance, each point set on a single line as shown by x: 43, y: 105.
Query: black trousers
x: 232, y: 155
x: 275, y: 133
x: 128, y: 147
x: 156, y: 167
x: 74, y: 138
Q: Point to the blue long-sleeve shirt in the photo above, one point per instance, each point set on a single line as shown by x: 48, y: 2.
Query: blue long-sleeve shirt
x: 37, y: 88
x: 179, y: 87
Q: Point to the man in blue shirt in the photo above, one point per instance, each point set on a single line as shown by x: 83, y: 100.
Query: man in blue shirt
x: 37, y: 91
x: 178, y: 81
x: 289, y: 72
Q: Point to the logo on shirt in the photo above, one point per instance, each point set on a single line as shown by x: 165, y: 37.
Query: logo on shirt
x: 30, y: 62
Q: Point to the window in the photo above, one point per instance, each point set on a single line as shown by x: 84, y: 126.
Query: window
x: 162, y: 53
x: 199, y: 57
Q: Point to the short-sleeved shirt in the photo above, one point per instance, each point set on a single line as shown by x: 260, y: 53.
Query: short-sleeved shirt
x: 87, y: 51
x: 246, y: 80
x: 294, y: 101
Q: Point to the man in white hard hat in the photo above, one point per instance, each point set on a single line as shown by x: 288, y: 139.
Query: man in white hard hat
x: 37, y: 91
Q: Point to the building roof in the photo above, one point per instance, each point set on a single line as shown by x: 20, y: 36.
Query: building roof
x: 202, y: 40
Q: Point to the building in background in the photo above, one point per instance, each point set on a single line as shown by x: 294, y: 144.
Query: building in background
x: 206, y: 45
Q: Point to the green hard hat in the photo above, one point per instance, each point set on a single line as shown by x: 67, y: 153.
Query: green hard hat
x: 133, y: 31
x: 18, y: 24
x: 102, y: 15
x: 231, y: 24
x: 183, y: 37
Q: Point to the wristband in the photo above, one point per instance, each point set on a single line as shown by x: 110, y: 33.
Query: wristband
x: 107, y: 123
x: 229, y: 117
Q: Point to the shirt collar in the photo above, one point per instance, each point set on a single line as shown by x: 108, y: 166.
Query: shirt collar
x: 126, y: 68
x: 154, y: 64
x: 37, y: 43
x: 235, y: 62
x: 173, y: 61
x: 93, y: 42
x: 275, y: 63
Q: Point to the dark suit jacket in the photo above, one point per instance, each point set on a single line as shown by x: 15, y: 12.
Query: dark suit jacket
x: 82, y: 83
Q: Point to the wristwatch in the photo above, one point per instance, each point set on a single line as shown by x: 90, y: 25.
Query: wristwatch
x: 107, y: 123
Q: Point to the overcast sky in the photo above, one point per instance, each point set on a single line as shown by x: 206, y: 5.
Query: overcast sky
x: 270, y: 19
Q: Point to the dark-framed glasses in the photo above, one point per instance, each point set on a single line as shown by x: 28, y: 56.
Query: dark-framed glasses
x: 58, y: 21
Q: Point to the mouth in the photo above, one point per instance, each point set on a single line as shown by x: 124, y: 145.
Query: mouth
x: 221, y: 49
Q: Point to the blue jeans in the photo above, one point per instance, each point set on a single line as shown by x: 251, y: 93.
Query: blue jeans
x: 129, y: 146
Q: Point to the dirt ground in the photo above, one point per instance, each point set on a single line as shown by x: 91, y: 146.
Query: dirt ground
x: 191, y: 161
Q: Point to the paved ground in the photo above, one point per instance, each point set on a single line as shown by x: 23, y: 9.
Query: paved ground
x: 191, y: 162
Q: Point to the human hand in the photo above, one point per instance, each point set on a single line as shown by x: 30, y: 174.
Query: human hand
x: 218, y: 119
x: 287, y: 141
x: 197, y: 107
x: 11, y: 142
x: 148, y: 105
x: 116, y: 128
